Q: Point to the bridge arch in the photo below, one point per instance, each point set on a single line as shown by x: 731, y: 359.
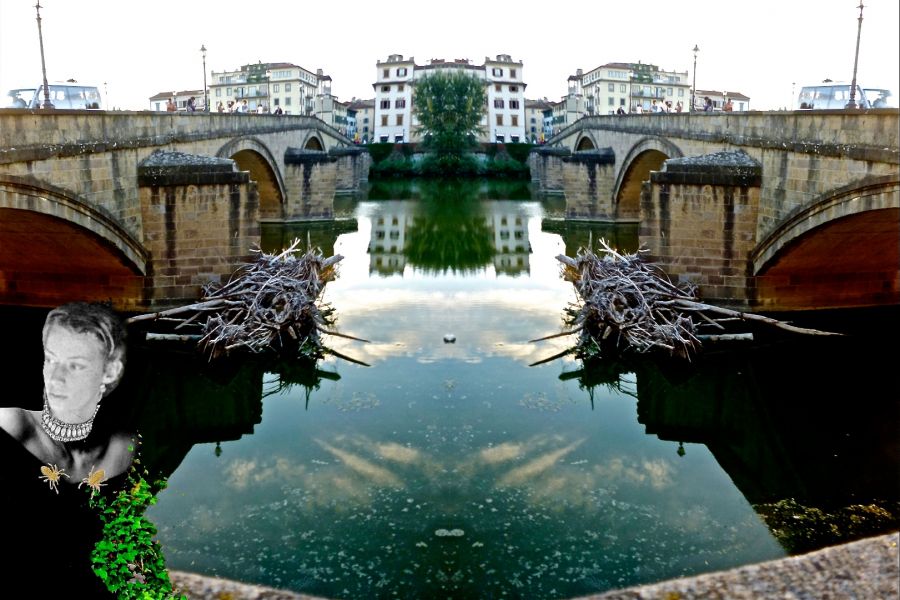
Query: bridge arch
x: 585, y: 142
x: 250, y: 154
x: 870, y: 195
x: 56, y: 247
x: 313, y: 142
x: 648, y: 154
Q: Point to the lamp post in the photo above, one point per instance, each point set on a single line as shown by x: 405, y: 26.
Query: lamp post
x: 852, y: 103
x: 46, y: 103
x: 694, y: 86
x: 205, y: 94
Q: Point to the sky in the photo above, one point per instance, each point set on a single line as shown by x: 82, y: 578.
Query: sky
x: 764, y: 49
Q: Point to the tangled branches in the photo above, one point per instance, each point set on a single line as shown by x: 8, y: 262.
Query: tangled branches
x: 267, y: 305
x: 629, y: 306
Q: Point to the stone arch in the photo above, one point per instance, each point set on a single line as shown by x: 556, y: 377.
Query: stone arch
x: 314, y: 143
x: 585, y: 142
x: 250, y: 154
x: 58, y: 248
x: 648, y: 154
x: 875, y: 199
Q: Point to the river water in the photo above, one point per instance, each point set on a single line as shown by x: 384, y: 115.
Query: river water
x: 455, y: 469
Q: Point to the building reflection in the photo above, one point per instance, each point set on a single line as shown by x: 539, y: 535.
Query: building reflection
x: 455, y: 235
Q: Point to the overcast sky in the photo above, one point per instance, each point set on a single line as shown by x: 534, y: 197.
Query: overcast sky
x: 758, y: 48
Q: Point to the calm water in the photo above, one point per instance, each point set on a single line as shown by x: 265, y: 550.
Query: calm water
x: 457, y: 470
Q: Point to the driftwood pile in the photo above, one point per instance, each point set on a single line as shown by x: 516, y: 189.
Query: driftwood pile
x: 267, y: 306
x: 628, y: 306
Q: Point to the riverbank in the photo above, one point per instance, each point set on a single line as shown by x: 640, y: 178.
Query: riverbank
x: 868, y: 568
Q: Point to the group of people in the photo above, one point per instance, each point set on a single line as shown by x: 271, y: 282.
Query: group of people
x: 242, y: 107
x: 655, y: 107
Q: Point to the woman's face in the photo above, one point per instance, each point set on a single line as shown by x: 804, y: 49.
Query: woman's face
x: 74, y: 367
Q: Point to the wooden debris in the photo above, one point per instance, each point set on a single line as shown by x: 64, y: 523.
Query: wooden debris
x: 629, y: 306
x: 269, y: 305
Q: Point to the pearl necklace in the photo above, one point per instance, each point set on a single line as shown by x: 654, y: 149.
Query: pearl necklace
x: 65, y: 432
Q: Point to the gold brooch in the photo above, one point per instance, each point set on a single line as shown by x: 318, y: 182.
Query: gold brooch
x: 51, y: 474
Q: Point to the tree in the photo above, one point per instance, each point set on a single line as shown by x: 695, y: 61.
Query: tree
x: 449, y: 108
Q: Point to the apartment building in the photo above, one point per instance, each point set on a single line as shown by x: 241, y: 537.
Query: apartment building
x: 617, y: 85
x: 504, y: 119
x: 270, y: 85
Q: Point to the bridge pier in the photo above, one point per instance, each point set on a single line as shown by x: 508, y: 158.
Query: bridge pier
x: 310, y: 182
x: 698, y: 221
x: 200, y: 218
x: 353, y: 163
x: 588, y: 178
x: 546, y: 166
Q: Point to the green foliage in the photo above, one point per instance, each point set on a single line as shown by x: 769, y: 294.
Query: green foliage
x: 449, y: 108
x: 449, y: 165
x: 519, y: 152
x: 127, y: 558
x: 394, y: 166
x: 504, y: 166
x: 379, y: 152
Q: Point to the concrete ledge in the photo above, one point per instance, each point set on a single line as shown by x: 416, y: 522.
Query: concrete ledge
x: 864, y: 569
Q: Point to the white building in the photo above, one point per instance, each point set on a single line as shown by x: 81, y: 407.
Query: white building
x: 504, y: 119
x: 612, y: 86
x: 272, y: 85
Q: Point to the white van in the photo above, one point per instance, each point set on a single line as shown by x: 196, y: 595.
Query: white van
x: 67, y: 94
x: 836, y: 95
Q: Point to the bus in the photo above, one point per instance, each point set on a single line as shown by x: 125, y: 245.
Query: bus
x: 67, y: 94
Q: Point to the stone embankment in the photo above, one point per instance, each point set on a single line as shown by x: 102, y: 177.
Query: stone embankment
x: 863, y: 570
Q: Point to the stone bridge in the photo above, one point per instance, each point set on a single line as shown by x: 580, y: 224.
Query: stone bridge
x: 143, y: 208
x: 764, y: 210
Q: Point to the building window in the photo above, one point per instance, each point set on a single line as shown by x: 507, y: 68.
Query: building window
x: 497, y: 72
x: 400, y: 103
x: 611, y: 87
x: 622, y: 88
x: 514, y: 89
x: 383, y: 139
x: 227, y: 91
x: 515, y: 120
x: 500, y: 120
x: 512, y: 73
x: 218, y: 92
x: 385, y: 104
x: 498, y: 102
x: 670, y: 92
x: 287, y: 87
x: 514, y: 104
x: 399, y: 119
x: 611, y: 101
x: 621, y: 101
x: 275, y: 87
x: 385, y: 88
x: 275, y: 101
x: 681, y: 92
x: 498, y: 87
x: 384, y: 121
x: 401, y: 72
x: 386, y: 73
x: 287, y: 101
x: 400, y: 88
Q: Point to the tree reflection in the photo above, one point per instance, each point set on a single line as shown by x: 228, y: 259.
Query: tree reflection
x: 450, y: 230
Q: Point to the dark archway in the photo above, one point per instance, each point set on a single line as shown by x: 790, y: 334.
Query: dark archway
x: 46, y: 261
x: 585, y: 143
x: 270, y: 200
x: 847, y: 262
x: 314, y: 143
x: 628, y: 199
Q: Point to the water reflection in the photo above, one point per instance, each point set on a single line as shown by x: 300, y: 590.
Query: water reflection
x: 457, y: 470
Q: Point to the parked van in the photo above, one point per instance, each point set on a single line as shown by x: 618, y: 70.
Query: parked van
x: 68, y: 94
x: 836, y: 95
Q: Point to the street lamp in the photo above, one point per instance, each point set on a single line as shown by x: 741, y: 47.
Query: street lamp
x: 694, y: 87
x: 205, y: 95
x: 852, y: 103
x: 46, y: 103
